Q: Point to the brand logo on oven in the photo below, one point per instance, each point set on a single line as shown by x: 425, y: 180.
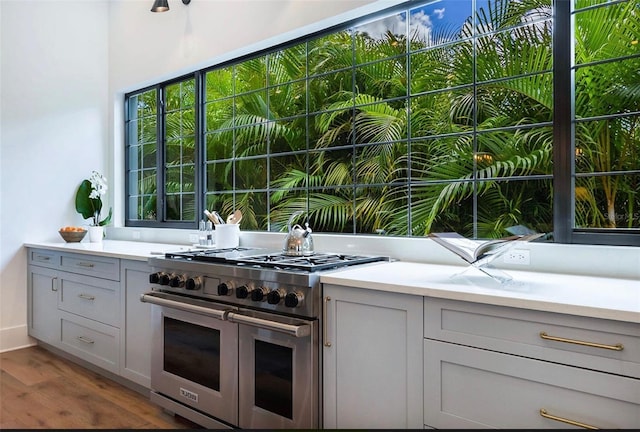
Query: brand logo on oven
x: 189, y: 394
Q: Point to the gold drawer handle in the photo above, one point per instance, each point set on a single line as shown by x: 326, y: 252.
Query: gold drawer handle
x: 616, y: 347
x: 543, y: 413
x: 86, y: 296
x: 327, y: 343
x: 84, y: 264
x: 85, y: 340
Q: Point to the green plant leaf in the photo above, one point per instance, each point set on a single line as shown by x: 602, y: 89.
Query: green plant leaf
x: 85, y: 205
x: 106, y: 220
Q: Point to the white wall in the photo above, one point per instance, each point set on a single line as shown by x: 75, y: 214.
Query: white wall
x: 54, y: 117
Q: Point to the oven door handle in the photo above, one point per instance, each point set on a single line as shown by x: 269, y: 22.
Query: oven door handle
x: 159, y: 300
x: 296, y: 330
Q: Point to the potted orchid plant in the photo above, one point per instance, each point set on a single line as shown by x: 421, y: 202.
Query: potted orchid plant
x: 89, y: 203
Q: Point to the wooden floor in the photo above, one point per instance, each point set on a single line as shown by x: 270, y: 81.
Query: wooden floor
x: 40, y: 390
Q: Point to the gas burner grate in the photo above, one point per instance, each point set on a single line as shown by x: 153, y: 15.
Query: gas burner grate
x: 208, y: 255
x: 307, y: 263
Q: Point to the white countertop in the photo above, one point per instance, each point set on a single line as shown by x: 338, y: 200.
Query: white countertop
x: 598, y: 297
x: 133, y: 250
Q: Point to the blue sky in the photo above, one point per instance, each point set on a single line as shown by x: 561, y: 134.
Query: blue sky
x: 437, y: 16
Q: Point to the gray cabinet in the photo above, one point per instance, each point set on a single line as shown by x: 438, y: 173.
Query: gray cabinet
x: 135, y: 350
x: 498, y: 367
x: 89, y: 306
x: 91, y: 340
x: 74, y: 304
x: 42, y: 304
x: 93, y: 298
x: 372, y: 359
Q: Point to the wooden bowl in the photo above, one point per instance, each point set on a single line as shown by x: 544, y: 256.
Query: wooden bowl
x: 72, y: 236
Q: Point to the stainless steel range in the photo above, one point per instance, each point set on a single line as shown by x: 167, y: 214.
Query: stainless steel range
x: 236, y: 335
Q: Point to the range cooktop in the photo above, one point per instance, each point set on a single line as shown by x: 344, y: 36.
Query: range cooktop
x: 261, y: 258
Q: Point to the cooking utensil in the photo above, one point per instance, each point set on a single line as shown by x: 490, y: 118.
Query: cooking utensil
x: 235, y: 217
x: 218, y: 218
x: 299, y: 241
x: 211, y: 217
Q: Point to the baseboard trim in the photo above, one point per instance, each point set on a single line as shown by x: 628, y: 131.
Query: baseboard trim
x: 13, y: 338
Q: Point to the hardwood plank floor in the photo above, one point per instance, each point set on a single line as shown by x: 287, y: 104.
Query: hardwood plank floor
x: 40, y: 390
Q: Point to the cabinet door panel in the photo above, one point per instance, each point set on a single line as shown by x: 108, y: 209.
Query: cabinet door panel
x: 518, y: 331
x: 44, y: 258
x: 42, y: 310
x: 92, y: 298
x: 103, y: 267
x: 91, y: 341
x: 135, y: 352
x: 473, y: 388
x: 370, y: 374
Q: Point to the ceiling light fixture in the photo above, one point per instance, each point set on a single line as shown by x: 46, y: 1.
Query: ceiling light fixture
x: 163, y: 5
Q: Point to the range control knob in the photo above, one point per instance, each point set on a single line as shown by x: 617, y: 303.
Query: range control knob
x: 259, y: 294
x: 193, y: 283
x: 293, y: 299
x: 154, y: 278
x: 225, y: 288
x: 242, y: 292
x: 177, y: 281
x: 164, y: 279
x: 276, y: 296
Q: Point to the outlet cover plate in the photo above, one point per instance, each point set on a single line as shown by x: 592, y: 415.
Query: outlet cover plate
x: 517, y: 256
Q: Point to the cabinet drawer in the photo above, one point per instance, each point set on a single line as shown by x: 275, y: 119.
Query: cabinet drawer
x: 104, y: 267
x: 95, y: 342
x: 473, y: 388
x: 604, y: 345
x: 92, y: 298
x: 44, y: 258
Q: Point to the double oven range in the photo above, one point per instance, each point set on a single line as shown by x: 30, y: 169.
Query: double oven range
x: 236, y: 336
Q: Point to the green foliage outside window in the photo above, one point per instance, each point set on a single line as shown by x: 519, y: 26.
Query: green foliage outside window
x: 403, y: 128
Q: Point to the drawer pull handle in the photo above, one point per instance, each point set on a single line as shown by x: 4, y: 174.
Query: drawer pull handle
x: 545, y: 414
x: 43, y: 258
x: 86, y: 296
x: 85, y: 264
x: 54, y: 283
x: 616, y: 347
x: 327, y: 343
x: 85, y: 340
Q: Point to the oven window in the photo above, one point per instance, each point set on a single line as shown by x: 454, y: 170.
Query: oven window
x: 192, y: 352
x: 274, y: 378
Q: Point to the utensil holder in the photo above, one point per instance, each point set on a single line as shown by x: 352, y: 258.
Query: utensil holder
x: 227, y: 236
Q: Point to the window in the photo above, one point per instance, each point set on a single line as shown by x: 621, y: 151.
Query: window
x: 142, y: 155
x: 161, y: 132
x: 456, y: 115
x: 606, y: 116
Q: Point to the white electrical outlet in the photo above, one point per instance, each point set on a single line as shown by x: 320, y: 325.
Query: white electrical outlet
x: 136, y: 235
x: 517, y: 256
x: 193, y: 238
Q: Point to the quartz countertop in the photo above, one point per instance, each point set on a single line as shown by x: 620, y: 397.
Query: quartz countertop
x: 140, y: 251
x: 597, y: 297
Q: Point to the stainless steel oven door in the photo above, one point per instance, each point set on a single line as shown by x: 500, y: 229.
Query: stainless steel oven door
x: 195, y: 354
x: 278, y: 371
